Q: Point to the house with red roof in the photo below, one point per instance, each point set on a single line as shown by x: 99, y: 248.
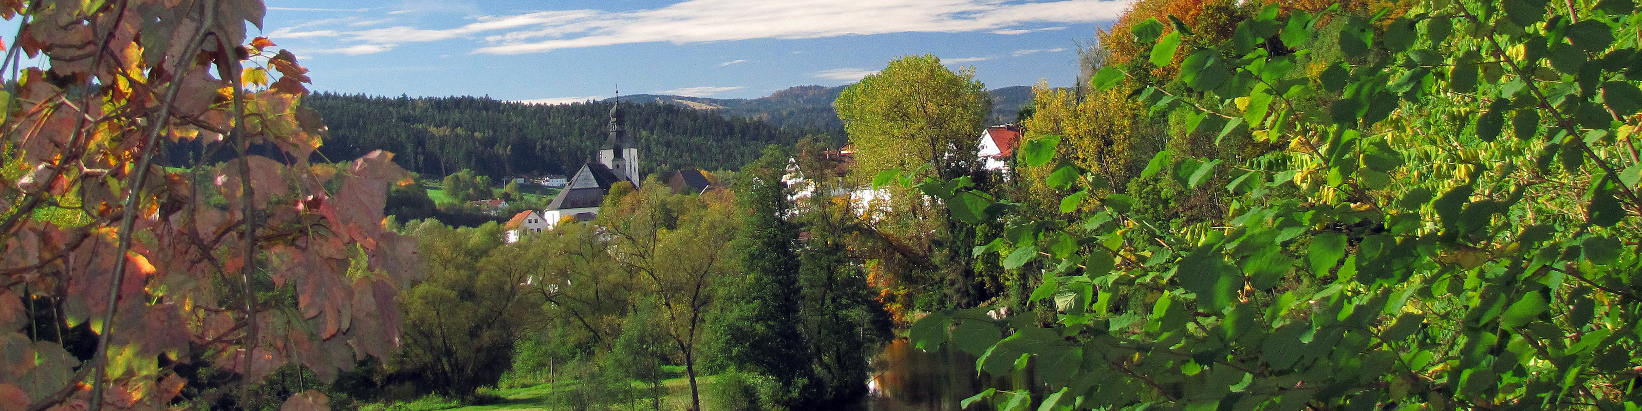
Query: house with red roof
x: 997, y: 146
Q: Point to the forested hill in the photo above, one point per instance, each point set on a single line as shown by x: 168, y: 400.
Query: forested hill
x: 439, y: 136
x: 811, y: 106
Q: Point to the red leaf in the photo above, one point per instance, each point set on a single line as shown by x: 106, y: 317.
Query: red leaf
x: 12, y: 315
x: 307, y: 401
x: 262, y: 43
x: 13, y: 398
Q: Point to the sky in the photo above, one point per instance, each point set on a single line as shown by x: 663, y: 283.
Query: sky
x: 576, y: 50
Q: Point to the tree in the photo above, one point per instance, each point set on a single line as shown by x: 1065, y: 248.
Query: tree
x: 246, y: 264
x: 674, y: 243
x: 918, y: 116
x: 1428, y: 219
x: 759, y: 325
x: 463, y: 321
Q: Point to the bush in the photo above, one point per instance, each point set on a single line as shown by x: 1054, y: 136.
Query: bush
x: 742, y: 391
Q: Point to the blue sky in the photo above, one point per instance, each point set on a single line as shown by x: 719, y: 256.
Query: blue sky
x: 575, y: 50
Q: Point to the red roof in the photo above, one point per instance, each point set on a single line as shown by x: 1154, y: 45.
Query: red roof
x: 518, y: 220
x: 1006, y: 137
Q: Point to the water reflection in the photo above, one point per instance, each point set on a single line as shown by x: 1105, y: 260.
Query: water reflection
x: 909, y: 379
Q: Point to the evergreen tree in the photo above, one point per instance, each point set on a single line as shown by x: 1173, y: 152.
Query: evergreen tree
x: 760, y: 328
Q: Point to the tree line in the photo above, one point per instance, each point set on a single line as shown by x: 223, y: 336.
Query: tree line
x: 443, y: 135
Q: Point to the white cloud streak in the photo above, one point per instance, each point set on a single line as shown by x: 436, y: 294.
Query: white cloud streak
x: 699, y: 91
x: 966, y: 60
x: 728, y: 63
x: 561, y: 100
x: 356, y: 49
x: 844, y: 74
x: 698, y: 21
x: 1018, y: 53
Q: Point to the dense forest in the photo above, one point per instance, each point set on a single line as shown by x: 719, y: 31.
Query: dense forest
x: 811, y: 106
x: 440, y: 136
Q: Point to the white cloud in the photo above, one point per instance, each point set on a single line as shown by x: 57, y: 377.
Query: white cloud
x: 561, y: 100
x: 1011, y: 32
x: 727, y: 63
x: 844, y: 74
x: 287, y: 33
x: 699, y: 91
x: 966, y: 59
x: 697, y: 21
x: 314, y: 9
x: 357, y: 49
x: 1018, y: 53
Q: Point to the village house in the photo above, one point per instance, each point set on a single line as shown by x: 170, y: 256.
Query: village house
x: 528, y: 221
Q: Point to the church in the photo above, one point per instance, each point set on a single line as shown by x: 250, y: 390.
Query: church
x: 618, y: 161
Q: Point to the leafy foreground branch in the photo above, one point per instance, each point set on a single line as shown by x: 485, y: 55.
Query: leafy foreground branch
x: 163, y: 268
x: 1431, y: 206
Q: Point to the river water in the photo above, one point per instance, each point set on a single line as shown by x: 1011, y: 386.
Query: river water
x: 909, y: 379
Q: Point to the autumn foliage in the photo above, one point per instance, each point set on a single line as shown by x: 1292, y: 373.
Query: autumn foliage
x: 248, y: 264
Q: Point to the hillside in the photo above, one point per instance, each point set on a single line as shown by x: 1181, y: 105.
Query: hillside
x: 438, y: 136
x: 811, y: 106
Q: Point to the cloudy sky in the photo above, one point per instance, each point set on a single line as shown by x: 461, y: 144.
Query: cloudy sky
x: 573, y: 50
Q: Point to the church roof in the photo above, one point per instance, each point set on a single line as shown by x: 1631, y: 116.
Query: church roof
x: 586, y: 188
x: 690, y: 178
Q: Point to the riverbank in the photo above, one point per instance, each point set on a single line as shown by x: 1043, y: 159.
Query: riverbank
x: 549, y: 396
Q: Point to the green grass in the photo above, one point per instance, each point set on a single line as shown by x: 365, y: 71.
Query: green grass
x: 544, y: 397
x: 439, y: 197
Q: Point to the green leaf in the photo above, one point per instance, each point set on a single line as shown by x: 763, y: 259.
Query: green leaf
x: 1491, y: 122
x: 1202, y: 174
x: 1623, y: 97
x: 1063, y: 177
x: 1400, y: 35
x: 1566, y: 59
x: 1605, y: 209
x: 1020, y: 257
x: 975, y: 336
x: 1523, y: 310
x: 1354, y: 37
x: 1039, y: 151
x: 1203, y: 70
x: 885, y: 177
x: 1159, y: 162
x: 1205, y: 272
x: 1525, y: 123
x: 1590, y: 35
x: 1298, y: 30
x: 1282, y: 348
x: 1334, y: 78
x: 1120, y: 202
x: 1437, y: 30
x: 1052, y: 402
x: 929, y: 332
x: 1325, y: 252
x: 1379, y: 156
x: 1462, y: 77
x: 1405, y: 326
x: 1616, y: 7
x: 1070, y: 203
x: 1163, y: 52
x: 983, y: 396
x: 1106, y: 78
x: 970, y: 207
x: 1524, y: 12
x: 1230, y: 127
x: 1631, y: 176
x: 1601, y: 250
x: 1415, y: 198
x: 1147, y: 31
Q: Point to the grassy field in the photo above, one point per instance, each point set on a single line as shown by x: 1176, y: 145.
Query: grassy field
x: 530, y: 193
x: 548, y: 397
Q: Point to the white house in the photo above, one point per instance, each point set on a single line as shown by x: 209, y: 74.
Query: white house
x: 997, y: 146
x: 525, y: 222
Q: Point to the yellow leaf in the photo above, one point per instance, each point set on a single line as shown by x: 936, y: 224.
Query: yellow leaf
x: 254, y: 75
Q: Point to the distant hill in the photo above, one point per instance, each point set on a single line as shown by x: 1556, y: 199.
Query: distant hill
x: 439, y: 136
x: 811, y: 106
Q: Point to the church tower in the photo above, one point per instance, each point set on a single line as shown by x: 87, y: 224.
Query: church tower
x: 619, y: 153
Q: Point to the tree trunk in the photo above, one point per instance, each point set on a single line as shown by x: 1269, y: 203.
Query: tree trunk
x: 690, y: 370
